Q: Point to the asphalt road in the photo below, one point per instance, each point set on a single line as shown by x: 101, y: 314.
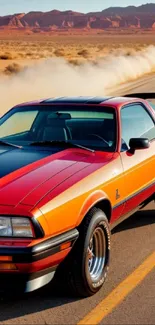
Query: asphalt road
x: 143, y: 84
x: 133, y: 242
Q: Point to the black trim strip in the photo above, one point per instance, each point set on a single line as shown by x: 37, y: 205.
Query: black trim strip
x: 133, y: 195
x: 37, y: 228
x: 130, y: 213
x: 119, y: 204
x: 42, y: 250
x: 57, y: 240
x: 38, y: 274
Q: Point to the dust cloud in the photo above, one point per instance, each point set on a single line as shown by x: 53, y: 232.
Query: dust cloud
x: 56, y: 77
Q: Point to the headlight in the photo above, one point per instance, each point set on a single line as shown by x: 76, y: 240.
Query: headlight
x: 15, y: 227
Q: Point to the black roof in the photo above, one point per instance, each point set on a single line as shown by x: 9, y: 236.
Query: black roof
x: 77, y: 100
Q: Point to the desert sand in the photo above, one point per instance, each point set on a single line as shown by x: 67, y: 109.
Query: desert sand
x: 19, y: 50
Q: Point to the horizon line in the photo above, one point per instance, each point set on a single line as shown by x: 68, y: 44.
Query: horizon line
x: 81, y: 12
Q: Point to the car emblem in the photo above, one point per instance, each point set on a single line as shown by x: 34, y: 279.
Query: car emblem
x: 117, y: 194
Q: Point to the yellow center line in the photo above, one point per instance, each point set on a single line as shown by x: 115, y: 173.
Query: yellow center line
x: 119, y: 293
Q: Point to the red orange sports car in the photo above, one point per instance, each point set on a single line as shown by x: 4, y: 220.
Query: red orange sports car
x: 71, y: 169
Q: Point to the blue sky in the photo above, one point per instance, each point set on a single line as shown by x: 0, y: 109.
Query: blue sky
x: 15, y: 6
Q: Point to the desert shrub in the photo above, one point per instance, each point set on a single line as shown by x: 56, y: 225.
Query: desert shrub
x: 6, y: 56
x: 29, y: 54
x: 83, y: 53
x: 12, y: 69
x: 59, y: 52
x: 100, y: 47
x: 21, y: 55
x: 74, y: 62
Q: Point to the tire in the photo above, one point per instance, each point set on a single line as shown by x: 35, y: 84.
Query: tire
x: 82, y: 270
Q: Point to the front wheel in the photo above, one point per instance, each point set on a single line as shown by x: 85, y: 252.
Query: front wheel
x: 87, y: 265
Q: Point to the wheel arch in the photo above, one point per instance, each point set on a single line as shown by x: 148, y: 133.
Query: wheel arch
x: 96, y: 200
x: 105, y: 206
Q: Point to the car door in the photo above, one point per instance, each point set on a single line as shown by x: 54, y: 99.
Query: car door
x: 139, y: 167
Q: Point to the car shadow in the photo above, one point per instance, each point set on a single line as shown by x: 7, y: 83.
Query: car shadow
x: 14, y: 305
x: 139, y: 219
x: 53, y: 295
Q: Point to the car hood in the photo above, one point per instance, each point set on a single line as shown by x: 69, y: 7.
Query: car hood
x: 27, y: 175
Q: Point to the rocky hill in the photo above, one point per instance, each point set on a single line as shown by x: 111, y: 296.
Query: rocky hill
x: 141, y: 17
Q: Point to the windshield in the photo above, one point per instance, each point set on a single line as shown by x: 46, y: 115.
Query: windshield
x: 90, y: 126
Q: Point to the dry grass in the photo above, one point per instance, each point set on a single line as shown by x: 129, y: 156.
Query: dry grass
x: 74, y: 48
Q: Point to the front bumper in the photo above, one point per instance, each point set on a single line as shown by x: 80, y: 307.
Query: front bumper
x: 25, y: 282
x: 34, y: 265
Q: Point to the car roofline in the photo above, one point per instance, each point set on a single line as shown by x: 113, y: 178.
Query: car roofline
x: 81, y: 100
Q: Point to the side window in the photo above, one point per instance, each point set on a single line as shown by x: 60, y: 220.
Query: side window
x: 136, y: 123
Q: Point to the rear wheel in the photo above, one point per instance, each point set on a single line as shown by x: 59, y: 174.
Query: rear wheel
x: 85, y: 268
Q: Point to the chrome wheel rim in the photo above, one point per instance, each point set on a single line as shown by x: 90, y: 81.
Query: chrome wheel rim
x: 96, y: 253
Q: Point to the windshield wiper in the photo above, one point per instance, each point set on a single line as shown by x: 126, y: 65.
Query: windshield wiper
x: 68, y: 144
x: 4, y: 143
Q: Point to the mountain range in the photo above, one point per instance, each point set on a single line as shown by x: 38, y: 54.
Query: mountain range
x: 142, y: 17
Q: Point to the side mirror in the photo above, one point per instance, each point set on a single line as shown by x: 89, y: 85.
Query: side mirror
x: 138, y: 143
